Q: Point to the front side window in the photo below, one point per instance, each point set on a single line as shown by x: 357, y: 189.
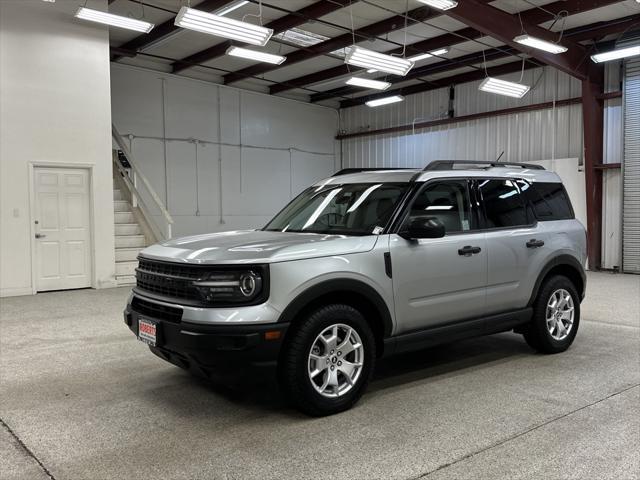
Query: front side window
x: 349, y: 209
x: 446, y: 200
x: 503, y: 203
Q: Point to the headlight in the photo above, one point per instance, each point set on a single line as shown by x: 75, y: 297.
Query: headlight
x: 231, y: 287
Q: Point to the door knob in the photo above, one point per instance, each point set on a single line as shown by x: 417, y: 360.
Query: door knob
x: 39, y: 235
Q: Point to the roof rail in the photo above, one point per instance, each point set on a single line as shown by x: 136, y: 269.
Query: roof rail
x: 346, y: 171
x: 450, y: 164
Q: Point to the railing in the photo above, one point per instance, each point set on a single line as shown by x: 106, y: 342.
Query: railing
x: 134, y: 179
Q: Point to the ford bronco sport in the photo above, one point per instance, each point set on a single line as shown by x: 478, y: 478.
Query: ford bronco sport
x: 365, y: 264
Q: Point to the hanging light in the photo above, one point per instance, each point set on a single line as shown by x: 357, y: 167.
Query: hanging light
x: 422, y: 56
x: 440, y: 4
x: 213, y: 24
x: 232, y: 7
x: 503, y: 87
x: 362, y: 57
x: 368, y: 83
x: 384, y: 101
x: 113, y: 20
x: 255, y: 55
x: 616, y: 54
x: 540, y: 44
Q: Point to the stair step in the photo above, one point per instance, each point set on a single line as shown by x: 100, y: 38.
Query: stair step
x: 124, y: 280
x: 117, y: 194
x: 127, y: 254
x: 126, y: 268
x: 128, y: 229
x: 121, y: 206
x: 124, y: 217
x: 130, y: 241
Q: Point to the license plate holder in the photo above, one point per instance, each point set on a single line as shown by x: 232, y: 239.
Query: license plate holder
x: 147, y: 331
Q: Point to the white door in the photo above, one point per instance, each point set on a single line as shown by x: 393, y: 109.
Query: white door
x: 62, y: 227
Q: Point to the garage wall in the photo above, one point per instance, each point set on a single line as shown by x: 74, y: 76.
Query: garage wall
x: 524, y: 137
x: 219, y: 157
x: 54, y: 107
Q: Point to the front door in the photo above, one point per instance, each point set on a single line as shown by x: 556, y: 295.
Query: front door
x: 62, y: 228
x: 440, y: 280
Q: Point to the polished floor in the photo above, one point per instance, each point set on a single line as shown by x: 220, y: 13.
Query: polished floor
x: 81, y: 398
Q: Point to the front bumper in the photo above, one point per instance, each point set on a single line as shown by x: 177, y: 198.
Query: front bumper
x: 215, y: 351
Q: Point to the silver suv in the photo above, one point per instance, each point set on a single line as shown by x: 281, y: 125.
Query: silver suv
x: 363, y: 264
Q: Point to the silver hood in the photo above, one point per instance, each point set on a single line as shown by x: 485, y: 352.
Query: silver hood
x: 256, y: 246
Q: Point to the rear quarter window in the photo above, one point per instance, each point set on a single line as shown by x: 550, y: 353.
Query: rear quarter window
x: 549, y: 201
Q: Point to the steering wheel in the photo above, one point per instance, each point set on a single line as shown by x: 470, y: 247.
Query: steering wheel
x: 325, y: 219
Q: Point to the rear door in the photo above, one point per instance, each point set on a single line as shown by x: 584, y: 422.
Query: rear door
x: 515, y: 243
x: 434, y: 280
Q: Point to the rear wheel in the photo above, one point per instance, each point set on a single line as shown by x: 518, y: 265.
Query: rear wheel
x: 328, y: 360
x: 556, y: 316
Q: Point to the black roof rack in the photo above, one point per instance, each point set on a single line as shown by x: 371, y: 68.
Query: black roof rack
x: 346, y: 171
x: 450, y: 164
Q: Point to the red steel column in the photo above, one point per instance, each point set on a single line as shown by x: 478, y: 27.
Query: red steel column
x: 593, y: 121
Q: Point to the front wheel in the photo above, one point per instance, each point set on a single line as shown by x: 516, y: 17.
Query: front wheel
x: 556, y: 316
x: 328, y: 360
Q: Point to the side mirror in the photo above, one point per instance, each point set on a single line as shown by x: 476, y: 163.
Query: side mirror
x: 423, y: 227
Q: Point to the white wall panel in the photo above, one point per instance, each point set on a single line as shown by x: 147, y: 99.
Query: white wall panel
x: 267, y: 148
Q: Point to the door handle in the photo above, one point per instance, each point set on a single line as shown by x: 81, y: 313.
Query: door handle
x: 39, y: 235
x: 533, y: 243
x: 468, y: 250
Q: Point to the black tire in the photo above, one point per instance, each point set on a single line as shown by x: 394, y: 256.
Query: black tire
x: 294, y: 360
x: 536, y: 334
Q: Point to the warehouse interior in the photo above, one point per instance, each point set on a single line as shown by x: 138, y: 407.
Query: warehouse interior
x: 171, y: 132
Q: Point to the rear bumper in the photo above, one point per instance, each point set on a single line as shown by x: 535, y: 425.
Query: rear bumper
x: 214, y: 351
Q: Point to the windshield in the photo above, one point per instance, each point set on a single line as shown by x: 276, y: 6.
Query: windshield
x: 350, y: 209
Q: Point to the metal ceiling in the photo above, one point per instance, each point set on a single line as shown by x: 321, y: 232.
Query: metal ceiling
x: 317, y: 72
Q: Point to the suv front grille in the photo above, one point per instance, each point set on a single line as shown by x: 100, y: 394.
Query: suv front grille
x: 169, y: 279
x: 156, y: 310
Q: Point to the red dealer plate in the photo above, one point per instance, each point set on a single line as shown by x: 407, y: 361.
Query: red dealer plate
x: 147, y: 331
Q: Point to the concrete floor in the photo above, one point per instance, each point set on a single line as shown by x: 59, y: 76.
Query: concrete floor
x: 82, y: 399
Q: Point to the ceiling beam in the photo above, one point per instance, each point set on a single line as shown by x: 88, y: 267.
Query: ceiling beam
x: 533, y: 16
x: 167, y: 28
x: 504, y: 27
x: 379, y: 28
x: 578, y: 34
x: 294, y: 19
x: 443, y: 82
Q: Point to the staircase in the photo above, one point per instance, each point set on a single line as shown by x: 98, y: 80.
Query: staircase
x: 129, y: 240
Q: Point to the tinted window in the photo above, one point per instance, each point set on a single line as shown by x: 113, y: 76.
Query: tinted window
x: 503, y: 204
x: 549, y: 201
x: 448, y: 201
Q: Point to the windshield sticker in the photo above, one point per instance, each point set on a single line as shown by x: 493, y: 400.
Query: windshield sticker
x: 377, y: 230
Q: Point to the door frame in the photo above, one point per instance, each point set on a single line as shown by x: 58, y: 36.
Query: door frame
x: 32, y: 215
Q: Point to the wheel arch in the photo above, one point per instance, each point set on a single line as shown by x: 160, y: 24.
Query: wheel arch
x: 566, y: 265
x: 350, y: 292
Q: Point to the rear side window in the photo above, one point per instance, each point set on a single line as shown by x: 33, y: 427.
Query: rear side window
x: 503, y: 203
x: 549, y: 201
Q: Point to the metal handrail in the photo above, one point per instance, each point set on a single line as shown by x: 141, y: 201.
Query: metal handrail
x: 166, y: 234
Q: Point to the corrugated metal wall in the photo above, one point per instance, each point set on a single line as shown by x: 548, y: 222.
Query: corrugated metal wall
x: 526, y: 136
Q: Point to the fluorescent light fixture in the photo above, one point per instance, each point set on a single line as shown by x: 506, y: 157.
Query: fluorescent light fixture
x: 616, y: 54
x: 232, y: 7
x: 213, y: 24
x: 362, y: 57
x: 503, y: 87
x: 255, y: 55
x: 113, y: 20
x: 300, y: 37
x: 367, y: 83
x: 440, y: 4
x: 422, y: 56
x: 540, y: 44
x: 372, y: 70
x: 384, y: 101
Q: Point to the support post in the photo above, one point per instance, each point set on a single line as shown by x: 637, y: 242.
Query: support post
x: 593, y: 124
